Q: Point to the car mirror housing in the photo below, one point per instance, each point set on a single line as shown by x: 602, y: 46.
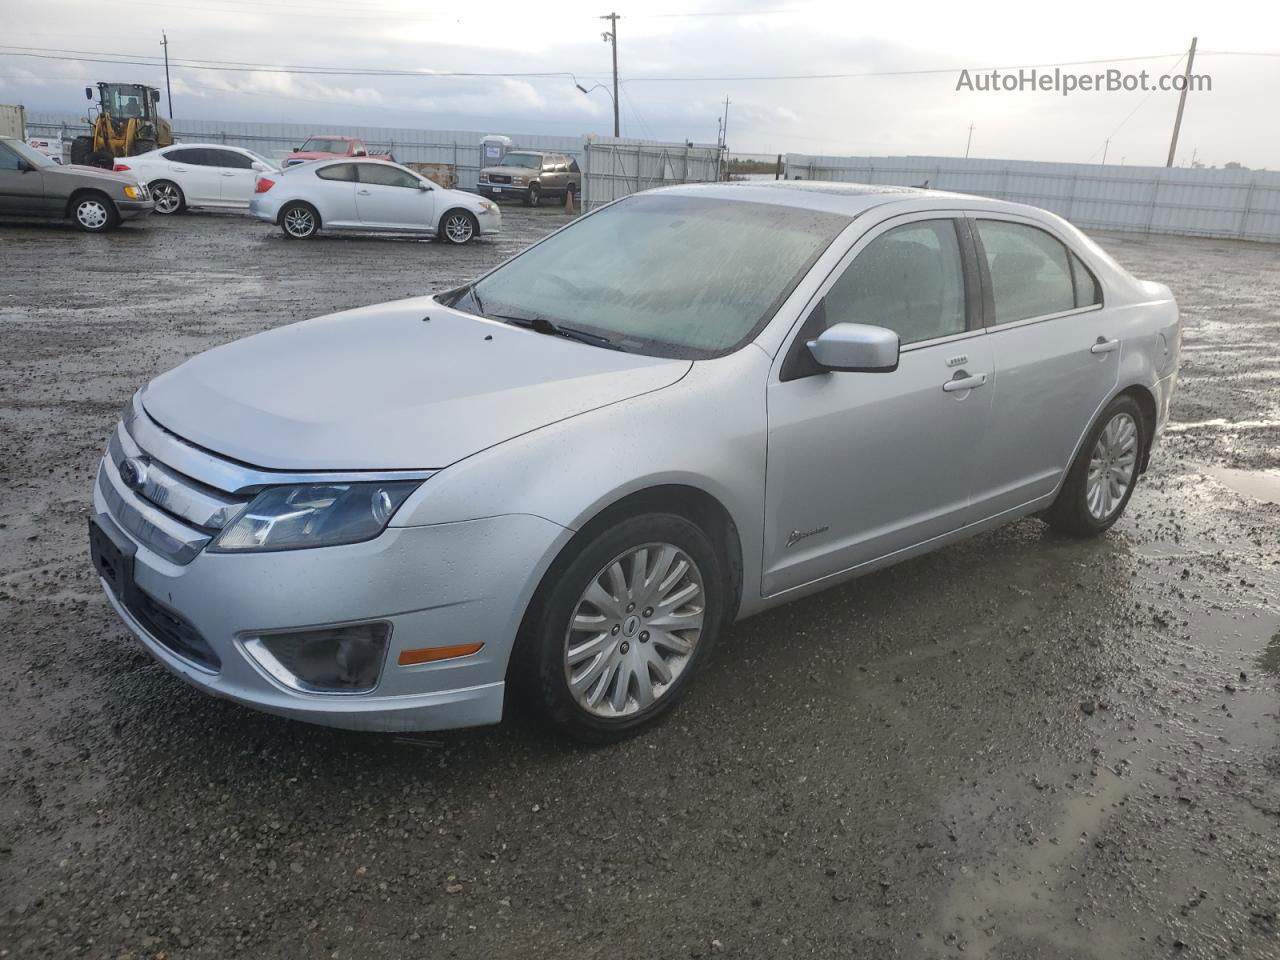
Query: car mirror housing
x: 260, y: 167
x: 856, y: 348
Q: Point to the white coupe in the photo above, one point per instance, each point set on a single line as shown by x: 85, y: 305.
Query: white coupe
x: 198, y: 175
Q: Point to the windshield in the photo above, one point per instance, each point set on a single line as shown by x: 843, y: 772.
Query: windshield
x: 124, y: 99
x: 30, y: 154
x: 326, y: 145
x: 665, y: 274
x: 530, y: 160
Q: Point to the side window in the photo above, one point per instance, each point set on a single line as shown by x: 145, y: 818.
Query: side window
x: 1088, y: 291
x: 1030, y: 274
x: 339, y: 171
x: 379, y: 175
x: 909, y: 279
x: 229, y: 158
x: 191, y: 155
x: 9, y: 160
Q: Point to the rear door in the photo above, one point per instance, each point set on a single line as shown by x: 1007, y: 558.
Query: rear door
x: 236, y: 176
x: 192, y: 169
x: 388, y: 198
x: 1057, y: 358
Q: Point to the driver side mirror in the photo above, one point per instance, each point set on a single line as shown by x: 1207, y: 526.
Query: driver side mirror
x: 259, y: 166
x: 425, y: 187
x: 361, y: 153
x: 88, y: 93
x: 856, y: 348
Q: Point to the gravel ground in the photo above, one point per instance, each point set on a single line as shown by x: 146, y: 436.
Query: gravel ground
x: 1020, y: 747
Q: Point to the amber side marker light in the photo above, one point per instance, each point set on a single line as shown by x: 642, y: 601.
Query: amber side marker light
x: 430, y: 654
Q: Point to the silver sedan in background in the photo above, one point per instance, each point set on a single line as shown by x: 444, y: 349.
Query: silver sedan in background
x: 372, y: 196
x: 687, y: 407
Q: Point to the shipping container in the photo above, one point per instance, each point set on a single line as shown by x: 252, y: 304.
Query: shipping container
x: 13, y: 122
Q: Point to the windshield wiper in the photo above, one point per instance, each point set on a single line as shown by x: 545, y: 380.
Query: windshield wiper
x: 551, y: 328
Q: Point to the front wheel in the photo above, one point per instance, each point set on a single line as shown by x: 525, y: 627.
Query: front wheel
x: 458, y: 226
x: 1103, y: 476
x: 616, y: 636
x: 168, y: 197
x: 299, y: 221
x: 534, y: 196
x: 94, y: 213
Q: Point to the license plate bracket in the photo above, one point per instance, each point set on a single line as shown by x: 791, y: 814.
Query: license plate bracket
x: 113, y: 554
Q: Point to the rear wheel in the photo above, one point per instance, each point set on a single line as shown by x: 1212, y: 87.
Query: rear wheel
x: 168, y: 197
x: 616, y: 635
x: 299, y: 221
x: 82, y: 151
x: 458, y: 226
x: 94, y: 213
x: 1103, y: 476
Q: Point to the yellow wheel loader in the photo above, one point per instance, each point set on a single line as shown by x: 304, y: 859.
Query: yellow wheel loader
x: 126, y: 122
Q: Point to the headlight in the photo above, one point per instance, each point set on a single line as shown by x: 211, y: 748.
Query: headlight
x: 134, y: 192
x: 314, y: 515
x: 488, y: 205
x: 517, y: 179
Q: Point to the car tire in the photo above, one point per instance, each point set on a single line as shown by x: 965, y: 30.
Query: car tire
x: 637, y: 577
x: 82, y: 151
x: 94, y: 212
x: 458, y: 227
x: 534, y: 196
x: 1104, y: 473
x: 168, y: 197
x: 299, y: 221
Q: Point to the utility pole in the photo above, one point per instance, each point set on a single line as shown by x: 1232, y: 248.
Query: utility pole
x: 968, y: 142
x: 1106, y: 144
x: 1182, y: 102
x: 611, y: 36
x: 724, y: 135
x: 168, y: 90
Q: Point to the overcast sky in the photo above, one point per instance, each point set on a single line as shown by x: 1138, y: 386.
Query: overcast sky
x: 869, y: 115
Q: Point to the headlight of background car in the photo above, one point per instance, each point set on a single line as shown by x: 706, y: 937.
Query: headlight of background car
x: 517, y: 179
x: 314, y: 515
x: 488, y: 205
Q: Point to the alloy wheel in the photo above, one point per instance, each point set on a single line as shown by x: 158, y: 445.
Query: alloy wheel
x: 1112, y: 467
x: 458, y: 228
x: 92, y: 214
x: 166, y: 198
x: 634, y: 630
x: 299, y: 222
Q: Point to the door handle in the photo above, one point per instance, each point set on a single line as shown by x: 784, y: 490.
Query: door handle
x: 228, y: 173
x: 1105, y: 346
x: 178, y: 169
x: 365, y: 193
x: 963, y: 381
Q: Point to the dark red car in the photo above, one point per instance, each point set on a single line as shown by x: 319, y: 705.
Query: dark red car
x: 326, y: 146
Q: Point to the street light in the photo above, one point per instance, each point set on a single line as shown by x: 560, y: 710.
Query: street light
x: 598, y: 86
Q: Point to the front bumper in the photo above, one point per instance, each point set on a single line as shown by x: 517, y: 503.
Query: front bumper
x: 490, y: 222
x: 503, y: 191
x: 130, y: 209
x: 435, y: 585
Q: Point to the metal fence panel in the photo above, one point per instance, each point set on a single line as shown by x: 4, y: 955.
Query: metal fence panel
x: 1237, y: 204
x: 458, y: 147
x: 614, y: 168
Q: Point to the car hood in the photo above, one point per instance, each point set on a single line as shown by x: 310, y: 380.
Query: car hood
x: 518, y: 171
x: 404, y: 385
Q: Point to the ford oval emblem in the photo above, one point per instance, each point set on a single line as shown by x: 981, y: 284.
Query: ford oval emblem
x: 133, y: 472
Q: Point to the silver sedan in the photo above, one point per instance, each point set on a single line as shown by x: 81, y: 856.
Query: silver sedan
x: 570, y: 475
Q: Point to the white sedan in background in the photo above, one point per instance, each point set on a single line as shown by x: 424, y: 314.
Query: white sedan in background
x: 198, y: 175
x: 369, y: 195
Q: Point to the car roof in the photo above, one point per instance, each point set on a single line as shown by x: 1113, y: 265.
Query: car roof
x: 203, y: 146
x: 849, y: 199
x: 330, y: 136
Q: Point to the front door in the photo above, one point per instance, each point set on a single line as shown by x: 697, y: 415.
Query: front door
x: 862, y: 465
x: 22, y: 192
x: 236, y: 177
x: 393, y: 199
x: 1057, y: 360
